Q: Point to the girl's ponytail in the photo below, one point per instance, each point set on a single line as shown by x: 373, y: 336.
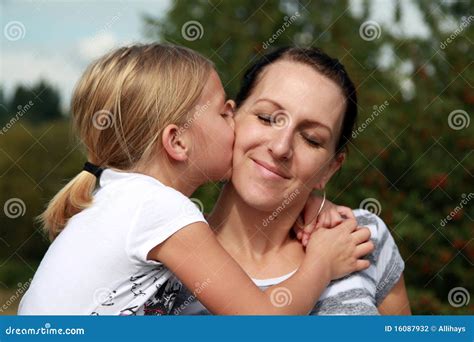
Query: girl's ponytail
x: 70, y: 200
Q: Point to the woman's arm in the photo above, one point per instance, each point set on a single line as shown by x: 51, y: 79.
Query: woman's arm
x: 396, y: 302
x: 195, y: 256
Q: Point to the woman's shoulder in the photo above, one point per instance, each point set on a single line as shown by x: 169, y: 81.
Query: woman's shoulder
x: 376, y: 225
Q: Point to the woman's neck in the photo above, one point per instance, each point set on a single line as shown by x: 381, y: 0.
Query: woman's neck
x: 242, y: 231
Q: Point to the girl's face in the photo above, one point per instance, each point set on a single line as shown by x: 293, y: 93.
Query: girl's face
x: 286, y: 134
x: 213, y: 132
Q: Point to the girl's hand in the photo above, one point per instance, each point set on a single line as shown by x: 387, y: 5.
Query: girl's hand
x: 331, y: 215
x: 341, y: 248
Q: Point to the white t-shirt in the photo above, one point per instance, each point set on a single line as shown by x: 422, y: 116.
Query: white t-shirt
x: 97, y: 265
x: 359, y: 293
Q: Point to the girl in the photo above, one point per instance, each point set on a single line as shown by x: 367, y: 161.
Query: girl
x: 155, y: 125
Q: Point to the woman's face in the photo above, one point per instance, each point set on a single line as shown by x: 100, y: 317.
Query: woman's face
x: 286, y: 135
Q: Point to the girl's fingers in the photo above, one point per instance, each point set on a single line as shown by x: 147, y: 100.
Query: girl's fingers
x: 364, y: 249
x: 299, y: 235
x: 362, y: 265
x: 361, y: 235
x: 310, y: 227
x: 335, y: 218
x: 345, y: 212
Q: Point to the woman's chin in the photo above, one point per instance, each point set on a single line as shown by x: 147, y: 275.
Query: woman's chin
x: 261, y: 200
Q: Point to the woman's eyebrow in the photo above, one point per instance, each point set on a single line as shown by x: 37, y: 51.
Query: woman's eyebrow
x: 276, y: 104
x: 308, y: 122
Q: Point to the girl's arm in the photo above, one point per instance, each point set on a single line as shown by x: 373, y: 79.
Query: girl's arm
x: 195, y: 256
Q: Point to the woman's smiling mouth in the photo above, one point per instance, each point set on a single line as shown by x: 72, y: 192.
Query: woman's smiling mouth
x: 269, y: 171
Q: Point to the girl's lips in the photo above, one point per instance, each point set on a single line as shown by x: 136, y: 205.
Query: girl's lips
x: 267, y: 173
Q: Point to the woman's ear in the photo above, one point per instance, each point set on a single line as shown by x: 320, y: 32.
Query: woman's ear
x: 334, y: 165
x: 175, y: 143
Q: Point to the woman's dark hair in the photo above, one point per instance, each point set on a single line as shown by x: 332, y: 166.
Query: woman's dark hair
x: 321, y: 62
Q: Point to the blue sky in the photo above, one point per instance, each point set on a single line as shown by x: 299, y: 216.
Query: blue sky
x: 55, y: 40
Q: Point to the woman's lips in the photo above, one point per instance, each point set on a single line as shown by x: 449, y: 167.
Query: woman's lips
x: 269, y: 171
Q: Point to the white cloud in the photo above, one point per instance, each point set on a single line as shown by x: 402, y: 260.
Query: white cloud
x: 28, y: 67
x: 93, y: 47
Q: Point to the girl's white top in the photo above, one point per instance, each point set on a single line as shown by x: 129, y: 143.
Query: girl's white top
x: 98, y: 263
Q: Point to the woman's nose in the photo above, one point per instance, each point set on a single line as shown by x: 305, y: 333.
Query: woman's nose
x: 281, y: 143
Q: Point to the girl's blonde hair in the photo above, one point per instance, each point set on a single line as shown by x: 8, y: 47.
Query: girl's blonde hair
x: 120, y: 106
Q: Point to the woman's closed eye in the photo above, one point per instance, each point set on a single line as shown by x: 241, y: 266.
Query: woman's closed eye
x: 266, y: 118
x: 311, y: 141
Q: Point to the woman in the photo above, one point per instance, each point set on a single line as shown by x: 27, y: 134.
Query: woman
x: 296, y: 111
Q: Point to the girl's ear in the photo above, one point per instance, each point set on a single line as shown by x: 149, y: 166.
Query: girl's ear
x: 174, y: 143
x: 229, y: 111
x: 334, y: 165
x: 230, y: 107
